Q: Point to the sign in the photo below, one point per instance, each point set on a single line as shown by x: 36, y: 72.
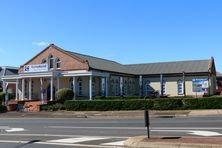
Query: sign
x: 200, y: 85
x: 36, y: 68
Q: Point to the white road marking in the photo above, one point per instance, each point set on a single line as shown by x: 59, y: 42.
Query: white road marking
x: 117, y: 143
x: 61, y: 144
x: 14, y: 130
x: 205, y: 133
x: 55, y: 135
x: 192, y: 132
x: 76, y: 140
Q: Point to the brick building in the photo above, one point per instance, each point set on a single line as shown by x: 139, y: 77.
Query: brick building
x: 55, y: 68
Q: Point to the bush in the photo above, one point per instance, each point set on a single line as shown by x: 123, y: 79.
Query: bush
x: 52, y: 107
x: 117, y: 97
x: 3, y: 109
x: 2, y: 97
x: 64, y: 94
x: 203, y: 103
x: 168, y: 104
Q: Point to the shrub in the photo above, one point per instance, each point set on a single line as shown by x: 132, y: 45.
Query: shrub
x: 2, y: 97
x: 52, y: 107
x: 203, y: 103
x: 167, y: 104
x: 64, y: 94
x: 116, y: 97
x: 137, y: 104
x: 3, y: 108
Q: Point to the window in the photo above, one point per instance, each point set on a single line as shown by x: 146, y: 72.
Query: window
x: 51, y: 59
x: 79, y: 86
x: 58, y: 63
x: 180, y: 87
x: 71, y: 83
x: 93, y: 87
x: 164, y: 87
x: 125, y: 87
x: 43, y: 61
x: 148, y: 88
x: 117, y: 88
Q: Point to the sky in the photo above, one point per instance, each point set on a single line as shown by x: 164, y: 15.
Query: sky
x: 126, y: 31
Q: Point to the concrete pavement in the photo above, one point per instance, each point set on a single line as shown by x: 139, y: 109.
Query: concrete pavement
x: 111, y: 114
x: 174, y: 142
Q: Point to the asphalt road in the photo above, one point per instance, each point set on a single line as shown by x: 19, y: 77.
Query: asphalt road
x: 97, y: 132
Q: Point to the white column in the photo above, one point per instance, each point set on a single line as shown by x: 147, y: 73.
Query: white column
x: 58, y: 83
x: 141, y: 85
x: 161, y: 84
x: 51, y: 89
x: 107, y: 86
x: 3, y: 83
x: 41, y: 89
x: 90, y: 87
x: 74, y: 87
x: 23, y: 89
x: 30, y: 89
x: 121, y: 86
x: 16, y: 90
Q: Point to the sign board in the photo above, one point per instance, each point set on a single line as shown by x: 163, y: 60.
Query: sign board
x: 200, y: 85
x: 36, y: 68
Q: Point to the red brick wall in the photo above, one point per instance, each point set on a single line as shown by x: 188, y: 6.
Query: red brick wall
x: 67, y: 62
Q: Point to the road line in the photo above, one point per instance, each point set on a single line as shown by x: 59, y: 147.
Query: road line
x: 14, y: 130
x: 76, y: 140
x: 54, y: 135
x: 136, y: 128
x: 61, y: 144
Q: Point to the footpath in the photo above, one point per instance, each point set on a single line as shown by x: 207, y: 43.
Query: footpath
x: 111, y: 114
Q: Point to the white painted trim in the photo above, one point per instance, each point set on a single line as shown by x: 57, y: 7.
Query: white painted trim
x: 30, y: 89
x: 90, y: 87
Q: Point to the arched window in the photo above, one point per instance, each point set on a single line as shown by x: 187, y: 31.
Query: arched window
x: 79, y: 86
x: 58, y: 63
x: 180, y: 87
x: 164, y: 87
x: 43, y: 61
x: 51, y: 61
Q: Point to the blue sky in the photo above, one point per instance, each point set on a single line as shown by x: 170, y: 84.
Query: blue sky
x: 127, y: 31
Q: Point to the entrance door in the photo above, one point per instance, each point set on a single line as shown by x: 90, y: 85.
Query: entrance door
x: 49, y: 92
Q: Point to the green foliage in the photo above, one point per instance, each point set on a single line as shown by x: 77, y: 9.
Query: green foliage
x: 3, y: 109
x: 116, y: 97
x: 2, y: 96
x: 64, y: 94
x: 106, y: 105
x: 137, y: 104
x: 168, y: 104
x: 52, y: 107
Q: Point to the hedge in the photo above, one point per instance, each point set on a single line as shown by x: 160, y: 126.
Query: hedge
x: 3, y: 108
x: 137, y: 104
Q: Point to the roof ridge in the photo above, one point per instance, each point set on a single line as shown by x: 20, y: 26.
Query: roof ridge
x: 93, y: 57
x: 167, y: 62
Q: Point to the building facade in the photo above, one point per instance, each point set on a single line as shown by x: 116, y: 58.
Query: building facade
x: 55, y: 68
x: 4, y: 72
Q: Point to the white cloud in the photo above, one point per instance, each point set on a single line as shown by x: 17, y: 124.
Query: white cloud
x: 41, y: 43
